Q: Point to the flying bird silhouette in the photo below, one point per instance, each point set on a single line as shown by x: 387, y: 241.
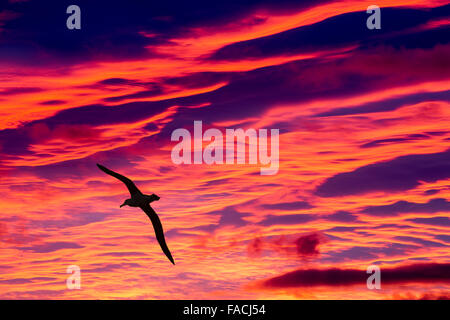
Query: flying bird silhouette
x: 138, y: 199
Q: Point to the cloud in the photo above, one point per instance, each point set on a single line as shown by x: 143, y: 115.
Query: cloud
x: 400, y: 174
x: 26, y: 280
x: 305, y: 246
x: 308, y: 246
x: 70, y: 220
x: 435, y: 296
x: 416, y: 273
x: 99, y: 114
x: 20, y: 90
x: 35, y: 294
x: 73, y: 133
x: 382, y: 142
x: 287, y: 219
x: 432, y: 206
x: 342, y: 216
x: 338, y: 31
x: 117, y: 33
x: 443, y: 237
x: 119, y: 82
x: 368, y: 253
x: 435, y: 221
x: 229, y: 216
x: 52, y: 102
x: 55, y: 137
x: 110, y: 267
x: 122, y: 254
x: 388, y: 104
x: 153, y: 92
x: 255, y: 247
x: 294, y: 205
x: 431, y: 192
x: 422, y: 242
x: 52, y: 246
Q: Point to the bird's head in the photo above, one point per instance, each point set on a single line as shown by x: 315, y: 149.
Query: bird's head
x: 154, y: 197
x: 125, y: 203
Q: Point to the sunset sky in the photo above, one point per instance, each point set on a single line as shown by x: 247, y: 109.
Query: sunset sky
x: 364, y: 172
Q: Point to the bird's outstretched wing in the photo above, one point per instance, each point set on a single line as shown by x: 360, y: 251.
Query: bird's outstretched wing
x: 130, y: 185
x: 158, y: 230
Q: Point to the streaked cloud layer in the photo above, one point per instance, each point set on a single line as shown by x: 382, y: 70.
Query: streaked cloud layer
x: 364, y: 149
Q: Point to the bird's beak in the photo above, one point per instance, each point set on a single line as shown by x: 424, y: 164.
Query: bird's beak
x: 122, y: 205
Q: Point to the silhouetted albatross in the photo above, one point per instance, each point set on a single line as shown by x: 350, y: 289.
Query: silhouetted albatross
x: 138, y: 199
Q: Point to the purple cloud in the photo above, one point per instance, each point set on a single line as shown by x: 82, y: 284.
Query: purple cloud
x: 52, y: 246
x: 432, y: 206
x: 287, y: 219
x: 435, y: 221
x: 424, y: 273
x: 294, y: 205
x: 400, y: 174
